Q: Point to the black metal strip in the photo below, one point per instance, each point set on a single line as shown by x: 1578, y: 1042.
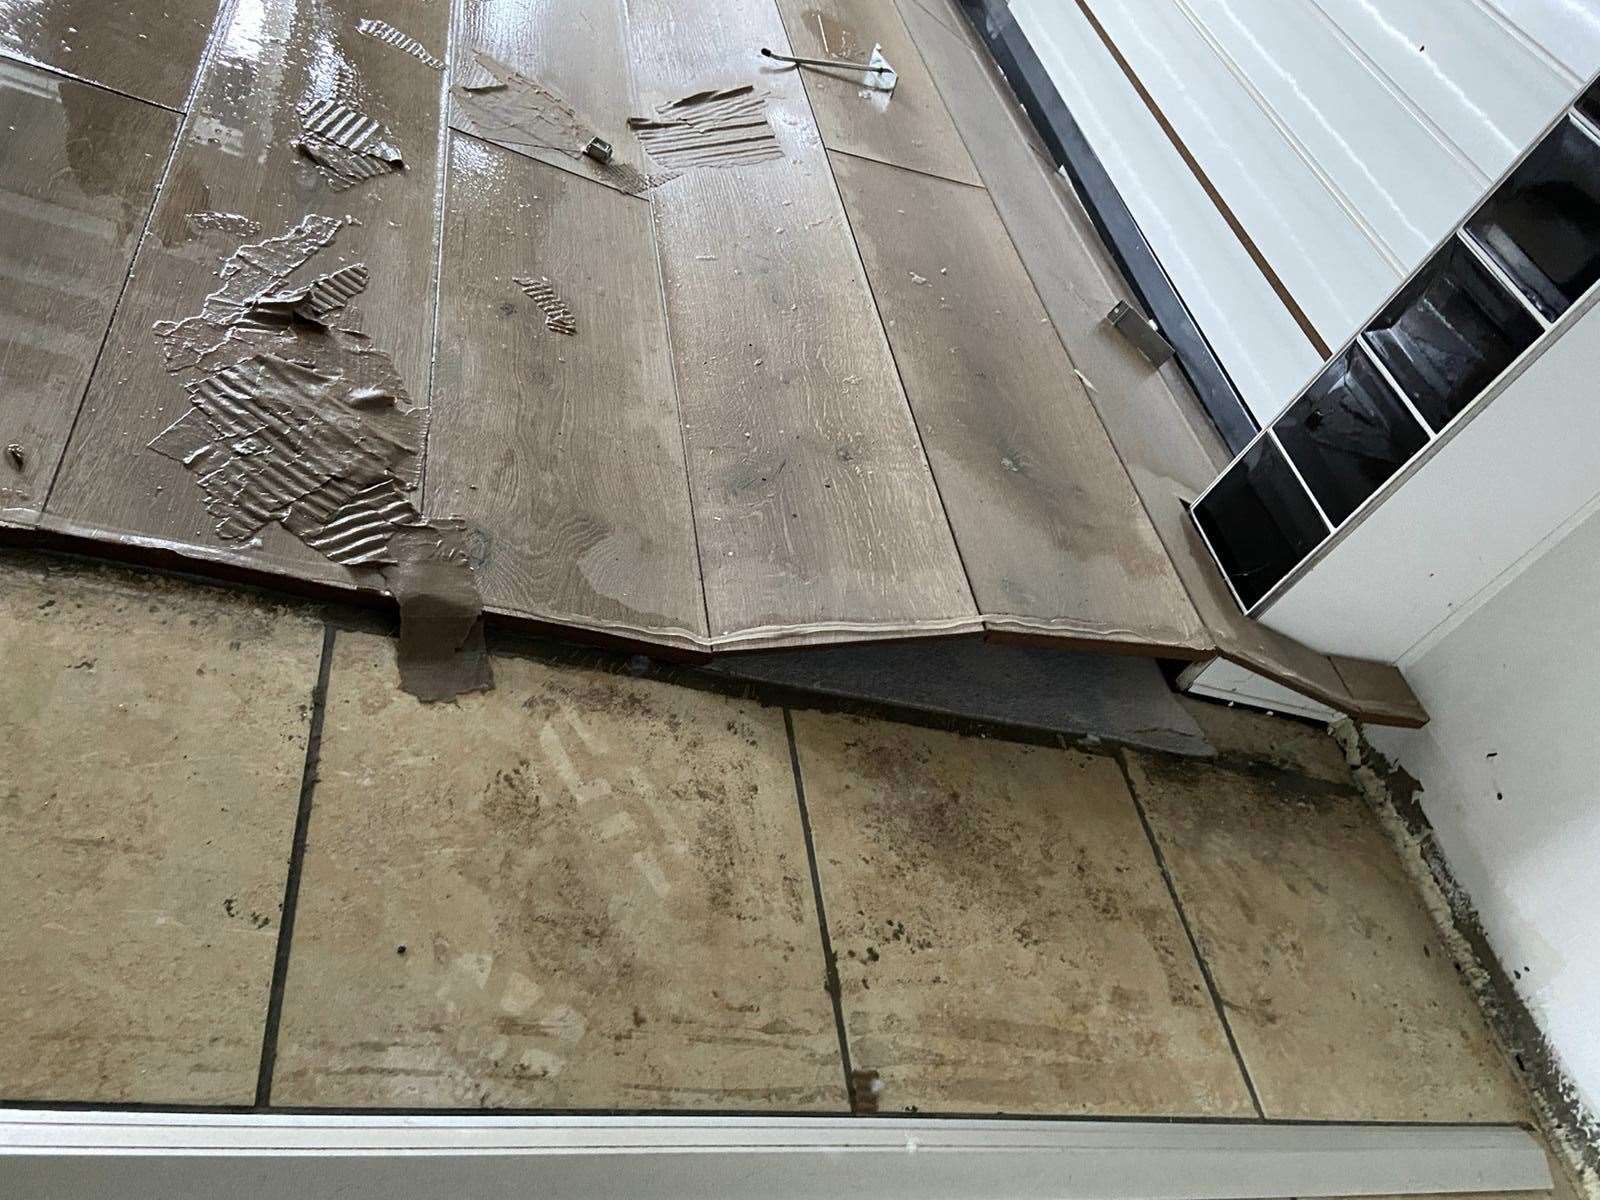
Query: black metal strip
x: 1134, y: 258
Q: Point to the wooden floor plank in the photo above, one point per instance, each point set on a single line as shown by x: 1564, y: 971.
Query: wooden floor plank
x: 581, y: 55
x: 145, y: 48
x: 1160, y: 434
x: 814, y: 504
x: 563, y: 450
x: 909, y: 126
x: 1051, y: 531
x: 78, y: 173
x: 236, y: 156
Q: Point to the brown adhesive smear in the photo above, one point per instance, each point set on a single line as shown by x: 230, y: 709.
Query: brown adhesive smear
x: 296, y: 418
x: 558, y: 317
x: 520, y: 113
x: 348, y: 145
x: 724, y: 127
x: 391, y: 36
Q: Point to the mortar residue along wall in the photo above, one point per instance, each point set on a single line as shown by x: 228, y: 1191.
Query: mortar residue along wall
x: 1510, y: 768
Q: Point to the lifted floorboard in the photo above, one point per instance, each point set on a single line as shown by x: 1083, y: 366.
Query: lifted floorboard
x: 563, y: 450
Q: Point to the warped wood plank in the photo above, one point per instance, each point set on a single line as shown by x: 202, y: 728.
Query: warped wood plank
x: 146, y: 48
x: 236, y: 157
x: 909, y: 126
x: 78, y: 173
x: 1051, y: 531
x: 563, y: 449
x: 816, y: 513
x: 579, y: 53
x: 1162, y: 439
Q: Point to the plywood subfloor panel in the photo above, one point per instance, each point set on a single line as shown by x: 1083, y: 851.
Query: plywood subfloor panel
x: 1168, y: 456
x: 580, y: 54
x: 908, y: 127
x: 563, y: 450
x: 78, y: 173
x: 813, y: 501
x: 144, y: 48
x: 579, y: 890
x: 1051, y: 531
x: 1003, y: 936
x: 155, y: 735
x: 236, y: 156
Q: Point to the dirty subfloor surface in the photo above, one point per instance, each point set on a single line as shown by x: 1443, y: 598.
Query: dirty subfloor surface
x: 240, y: 867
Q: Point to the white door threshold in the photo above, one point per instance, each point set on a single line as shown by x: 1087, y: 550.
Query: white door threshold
x: 177, y: 1156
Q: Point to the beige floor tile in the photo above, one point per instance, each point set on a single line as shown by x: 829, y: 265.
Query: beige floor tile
x: 154, y: 740
x: 1291, y: 745
x: 1004, y: 937
x: 1344, y: 1002
x: 578, y: 890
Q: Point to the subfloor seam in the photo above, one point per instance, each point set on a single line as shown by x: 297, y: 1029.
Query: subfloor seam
x: 291, y: 882
x: 830, y: 961
x: 1188, y: 932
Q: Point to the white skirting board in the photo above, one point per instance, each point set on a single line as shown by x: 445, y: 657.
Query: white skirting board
x: 1219, y: 679
x: 94, y: 1155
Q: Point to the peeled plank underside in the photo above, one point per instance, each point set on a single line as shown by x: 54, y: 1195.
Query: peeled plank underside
x: 780, y: 372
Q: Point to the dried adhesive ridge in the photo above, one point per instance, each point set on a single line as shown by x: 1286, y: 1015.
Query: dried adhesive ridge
x: 519, y: 113
x: 220, y: 222
x: 296, y: 418
x: 391, y: 36
x: 348, y: 145
x: 723, y: 127
x: 558, y: 317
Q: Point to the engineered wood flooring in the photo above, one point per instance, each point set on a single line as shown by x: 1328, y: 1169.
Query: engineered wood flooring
x: 751, y: 425
x: 78, y: 173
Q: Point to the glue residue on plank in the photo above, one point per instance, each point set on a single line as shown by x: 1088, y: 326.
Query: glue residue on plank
x: 721, y: 127
x: 520, y: 113
x: 348, y: 145
x: 235, y: 224
x: 558, y: 317
x: 391, y: 36
x: 296, y: 418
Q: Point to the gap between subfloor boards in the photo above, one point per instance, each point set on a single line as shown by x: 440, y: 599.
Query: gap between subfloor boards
x: 291, y: 882
x: 1188, y: 932
x: 830, y: 964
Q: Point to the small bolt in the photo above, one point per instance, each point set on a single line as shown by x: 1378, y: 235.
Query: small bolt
x: 18, y: 458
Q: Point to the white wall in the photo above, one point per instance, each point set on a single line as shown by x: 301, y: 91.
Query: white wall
x: 1519, y: 679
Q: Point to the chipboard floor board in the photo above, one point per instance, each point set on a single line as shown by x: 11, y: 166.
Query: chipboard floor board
x: 684, y: 397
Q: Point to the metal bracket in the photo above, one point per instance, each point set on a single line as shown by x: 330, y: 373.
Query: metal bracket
x: 1144, y: 333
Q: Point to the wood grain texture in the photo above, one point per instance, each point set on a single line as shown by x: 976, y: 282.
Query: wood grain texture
x: 146, y: 48
x: 236, y: 156
x: 813, y: 501
x: 909, y: 127
x: 1168, y: 448
x: 564, y: 450
x: 579, y: 53
x: 1052, y: 534
x: 78, y: 173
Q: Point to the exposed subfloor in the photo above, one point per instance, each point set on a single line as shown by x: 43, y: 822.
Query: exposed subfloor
x: 239, y: 867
